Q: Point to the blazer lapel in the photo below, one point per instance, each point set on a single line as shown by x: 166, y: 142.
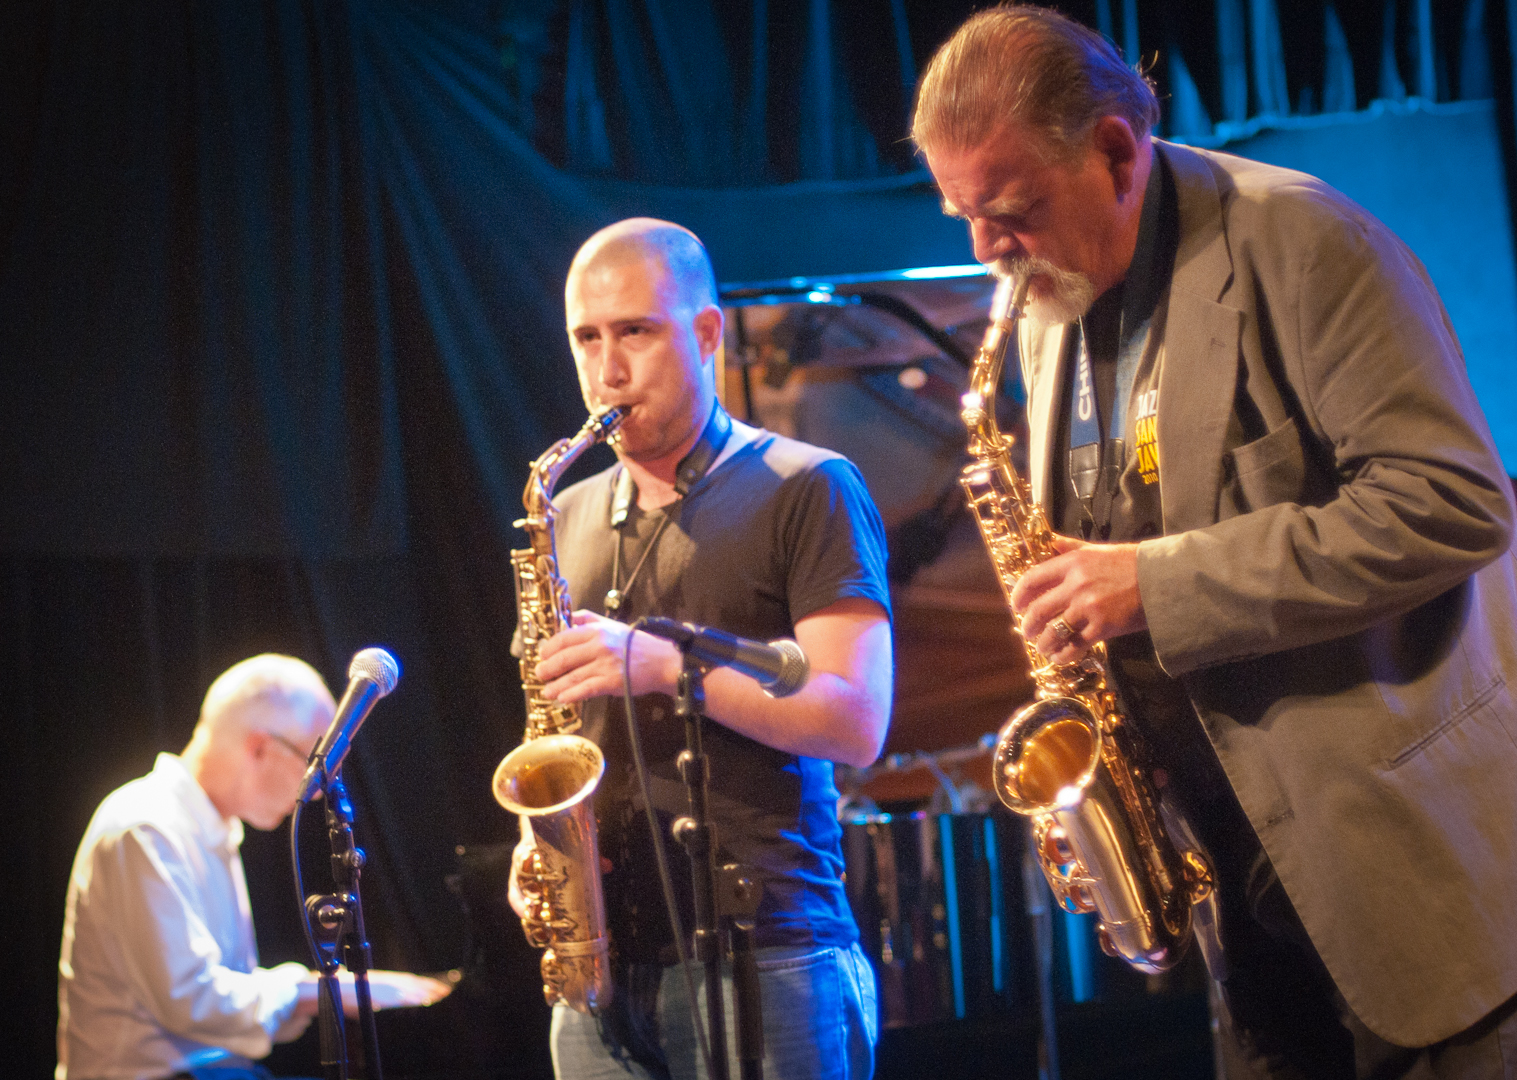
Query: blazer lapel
x: 1199, y: 374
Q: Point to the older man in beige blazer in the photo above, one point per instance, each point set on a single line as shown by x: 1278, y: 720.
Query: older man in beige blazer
x: 1325, y: 577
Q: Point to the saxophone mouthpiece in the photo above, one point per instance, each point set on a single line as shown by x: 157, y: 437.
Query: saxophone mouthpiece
x: 1002, y: 299
x: 605, y: 425
x: 1019, y: 294
x: 1009, y: 297
x: 606, y: 421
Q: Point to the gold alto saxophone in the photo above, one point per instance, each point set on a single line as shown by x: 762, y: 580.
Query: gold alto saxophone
x: 1070, y: 761
x: 550, y: 779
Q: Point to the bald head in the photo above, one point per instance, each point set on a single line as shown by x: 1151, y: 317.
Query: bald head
x: 257, y: 725
x: 273, y: 693
x: 640, y: 306
x: 661, y: 245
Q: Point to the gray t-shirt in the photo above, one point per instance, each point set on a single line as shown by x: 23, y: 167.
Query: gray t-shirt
x: 774, y: 533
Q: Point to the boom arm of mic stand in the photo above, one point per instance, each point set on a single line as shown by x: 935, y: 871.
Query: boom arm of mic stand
x: 336, y: 923
x: 738, y: 904
x: 324, y: 917
x: 334, y: 1050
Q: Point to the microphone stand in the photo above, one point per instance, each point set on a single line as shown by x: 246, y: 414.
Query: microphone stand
x: 340, y: 917
x: 739, y: 901
x: 329, y: 920
x: 721, y: 899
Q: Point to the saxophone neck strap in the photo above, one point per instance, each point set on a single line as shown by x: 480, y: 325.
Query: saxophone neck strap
x: 691, y: 468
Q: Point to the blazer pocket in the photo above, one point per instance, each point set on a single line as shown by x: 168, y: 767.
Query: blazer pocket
x: 1495, y: 699
x: 1264, y: 472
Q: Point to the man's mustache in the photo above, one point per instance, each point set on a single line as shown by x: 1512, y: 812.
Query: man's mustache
x: 1069, y: 299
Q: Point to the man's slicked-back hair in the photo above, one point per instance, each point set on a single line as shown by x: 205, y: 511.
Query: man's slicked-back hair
x: 1032, y: 66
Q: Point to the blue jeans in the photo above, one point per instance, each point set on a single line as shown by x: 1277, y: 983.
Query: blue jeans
x: 820, y: 1023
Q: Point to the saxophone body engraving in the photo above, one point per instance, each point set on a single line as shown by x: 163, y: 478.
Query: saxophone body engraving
x: 1070, y: 761
x: 550, y: 779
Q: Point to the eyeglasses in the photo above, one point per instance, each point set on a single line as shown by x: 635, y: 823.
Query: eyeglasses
x: 288, y: 745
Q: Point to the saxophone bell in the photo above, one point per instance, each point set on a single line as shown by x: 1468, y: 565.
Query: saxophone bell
x: 550, y: 783
x: 1097, y: 830
x: 1046, y: 755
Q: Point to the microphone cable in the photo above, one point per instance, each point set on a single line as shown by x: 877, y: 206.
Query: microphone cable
x: 300, y: 892
x: 661, y: 859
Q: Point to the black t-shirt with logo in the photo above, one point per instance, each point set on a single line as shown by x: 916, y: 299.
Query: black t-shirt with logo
x: 776, y: 532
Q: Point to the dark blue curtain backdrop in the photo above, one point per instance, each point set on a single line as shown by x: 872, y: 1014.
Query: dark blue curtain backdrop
x: 281, y: 328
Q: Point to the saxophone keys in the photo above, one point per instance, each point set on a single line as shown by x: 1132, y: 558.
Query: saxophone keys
x: 1198, y: 876
x: 1075, y: 898
x: 553, y: 978
x: 535, y: 876
x: 1057, y: 849
x: 1103, y: 938
x: 539, y: 935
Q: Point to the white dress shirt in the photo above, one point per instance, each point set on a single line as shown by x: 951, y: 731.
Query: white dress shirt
x: 159, y: 968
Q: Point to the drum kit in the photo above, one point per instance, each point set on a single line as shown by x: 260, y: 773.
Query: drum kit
x: 955, y: 918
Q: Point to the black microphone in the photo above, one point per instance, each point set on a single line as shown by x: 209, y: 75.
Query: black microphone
x: 372, y: 674
x: 780, y: 667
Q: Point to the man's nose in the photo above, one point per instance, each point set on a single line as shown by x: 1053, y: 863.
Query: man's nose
x: 614, y: 370
x: 990, y: 241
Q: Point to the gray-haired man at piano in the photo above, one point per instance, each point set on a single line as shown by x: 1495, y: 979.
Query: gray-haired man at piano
x: 158, y: 975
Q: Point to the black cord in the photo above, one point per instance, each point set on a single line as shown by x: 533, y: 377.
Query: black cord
x: 661, y: 859
x: 300, y: 897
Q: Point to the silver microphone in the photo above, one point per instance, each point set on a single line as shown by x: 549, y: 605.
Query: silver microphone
x: 372, y: 674
x: 780, y: 667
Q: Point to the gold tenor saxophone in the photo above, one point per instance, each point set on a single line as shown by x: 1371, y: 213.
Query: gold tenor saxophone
x: 1070, y: 761
x: 551, y: 777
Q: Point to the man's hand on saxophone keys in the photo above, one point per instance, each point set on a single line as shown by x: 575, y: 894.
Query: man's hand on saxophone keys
x: 585, y: 661
x: 1085, y: 594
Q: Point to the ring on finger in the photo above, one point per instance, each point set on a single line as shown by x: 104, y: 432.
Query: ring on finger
x: 1062, y: 629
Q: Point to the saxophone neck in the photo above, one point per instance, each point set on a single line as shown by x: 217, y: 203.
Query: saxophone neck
x: 544, y: 473
x: 979, y: 409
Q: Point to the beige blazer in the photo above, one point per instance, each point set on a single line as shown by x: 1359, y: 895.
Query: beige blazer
x: 1334, y: 586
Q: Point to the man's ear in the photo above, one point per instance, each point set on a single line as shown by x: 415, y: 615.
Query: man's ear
x: 257, y: 744
x: 1114, y: 139
x: 708, y: 324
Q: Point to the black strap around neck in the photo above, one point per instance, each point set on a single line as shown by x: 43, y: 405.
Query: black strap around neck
x: 1114, y: 333
x: 692, y: 466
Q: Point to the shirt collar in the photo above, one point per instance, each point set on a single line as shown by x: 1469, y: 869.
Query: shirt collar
x: 1148, y: 273
x: 217, y: 830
